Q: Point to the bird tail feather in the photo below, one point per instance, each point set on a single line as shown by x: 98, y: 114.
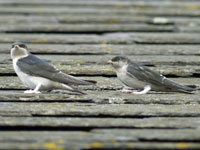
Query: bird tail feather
x: 91, y: 81
x: 178, y: 87
x: 68, y: 88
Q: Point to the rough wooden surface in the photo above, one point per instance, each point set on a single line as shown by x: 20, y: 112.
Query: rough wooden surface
x: 109, y: 38
x: 108, y: 49
x: 79, y: 37
x: 87, y: 110
x: 13, y: 82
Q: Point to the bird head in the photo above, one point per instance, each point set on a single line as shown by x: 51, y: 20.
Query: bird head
x: 19, y: 50
x: 119, y: 61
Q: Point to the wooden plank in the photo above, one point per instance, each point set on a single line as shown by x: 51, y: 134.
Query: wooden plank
x: 19, y: 96
x: 85, y: 28
x: 102, y: 60
x: 117, y: 97
x: 167, y: 38
x: 64, y: 144
x: 95, y: 10
x: 66, y: 19
x: 94, y: 28
x: 95, y: 110
x: 123, y: 139
x: 79, y: 60
x: 112, y: 38
x: 104, y: 3
x: 98, y: 18
x: 189, y: 29
x: 112, y: 5
x: 63, y: 39
x: 75, y: 122
x: 108, y: 49
x: 186, y: 134
x: 103, y: 83
x: 97, y: 65
x: 101, y: 96
x: 125, y: 136
x: 80, y: 69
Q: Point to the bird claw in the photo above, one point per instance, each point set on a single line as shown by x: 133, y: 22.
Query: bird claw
x: 32, y: 92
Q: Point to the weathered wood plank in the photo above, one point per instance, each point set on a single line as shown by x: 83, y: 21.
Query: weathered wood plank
x: 101, y: 136
x: 19, y: 96
x: 93, y: 28
x: 179, y: 23
x: 112, y: 38
x: 189, y: 29
x: 97, y: 65
x: 101, y: 96
x: 66, y: 19
x: 103, y: 59
x: 111, y: 49
x: 122, y: 139
x: 103, y: 83
x: 98, y: 18
x: 104, y: 3
x: 64, y: 144
x: 95, y: 110
x: 75, y: 122
x: 186, y: 134
x: 117, y: 97
x: 95, y: 10
x: 63, y: 39
x: 80, y: 69
x: 157, y: 38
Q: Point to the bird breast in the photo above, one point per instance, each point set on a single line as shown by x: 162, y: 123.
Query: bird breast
x: 128, y: 80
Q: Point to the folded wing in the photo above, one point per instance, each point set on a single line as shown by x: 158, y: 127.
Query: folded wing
x: 34, y: 66
x: 145, y: 74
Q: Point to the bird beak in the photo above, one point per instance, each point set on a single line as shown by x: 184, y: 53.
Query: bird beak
x: 110, y: 62
x: 17, y: 46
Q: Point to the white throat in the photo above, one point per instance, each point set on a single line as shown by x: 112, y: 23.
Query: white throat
x: 18, y: 53
x: 122, y: 70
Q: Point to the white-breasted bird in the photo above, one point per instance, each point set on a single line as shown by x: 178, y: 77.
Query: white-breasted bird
x: 142, y: 79
x: 38, y: 75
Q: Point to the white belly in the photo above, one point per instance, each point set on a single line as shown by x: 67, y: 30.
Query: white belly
x: 31, y: 81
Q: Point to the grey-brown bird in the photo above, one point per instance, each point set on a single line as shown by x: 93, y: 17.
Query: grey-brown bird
x: 142, y: 79
x: 38, y: 75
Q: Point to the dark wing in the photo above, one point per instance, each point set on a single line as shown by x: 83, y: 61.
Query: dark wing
x: 145, y: 74
x: 34, y: 66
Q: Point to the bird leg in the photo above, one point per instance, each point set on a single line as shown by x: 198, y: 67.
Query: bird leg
x: 126, y: 90
x: 146, y: 89
x: 35, y: 91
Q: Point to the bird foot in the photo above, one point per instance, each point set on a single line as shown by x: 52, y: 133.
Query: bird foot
x: 127, y: 91
x: 146, y: 89
x: 138, y: 92
x: 32, y: 92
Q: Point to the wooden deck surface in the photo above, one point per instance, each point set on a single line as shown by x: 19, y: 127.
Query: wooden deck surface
x: 79, y: 37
